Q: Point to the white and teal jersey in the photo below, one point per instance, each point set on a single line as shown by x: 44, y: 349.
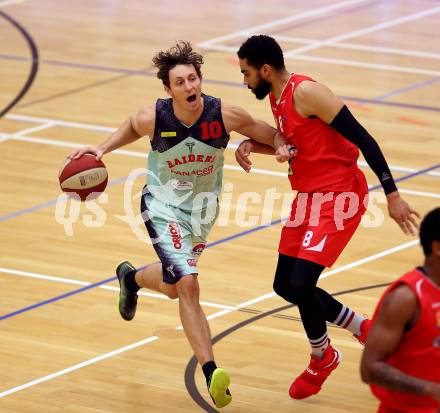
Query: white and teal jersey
x: 185, y: 170
x: 185, y: 166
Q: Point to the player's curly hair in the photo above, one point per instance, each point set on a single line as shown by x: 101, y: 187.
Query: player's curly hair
x: 180, y: 54
x: 430, y: 230
x: 259, y: 50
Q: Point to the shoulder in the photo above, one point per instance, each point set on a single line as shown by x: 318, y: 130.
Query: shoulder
x: 399, y: 304
x: 315, y: 99
x: 310, y: 90
x: 211, y: 100
x: 144, y: 119
x: 401, y: 295
x: 147, y: 113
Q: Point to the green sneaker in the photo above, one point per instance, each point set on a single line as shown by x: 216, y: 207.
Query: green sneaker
x: 218, y: 387
x: 127, y: 299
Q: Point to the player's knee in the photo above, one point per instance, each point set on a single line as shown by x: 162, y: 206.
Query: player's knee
x: 281, y: 290
x: 171, y: 293
x: 300, y: 287
x: 277, y: 287
x: 187, y: 289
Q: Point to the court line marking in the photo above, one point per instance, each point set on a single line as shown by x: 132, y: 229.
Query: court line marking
x: 361, y: 163
x: 408, y: 88
x: 209, y: 245
x: 326, y: 274
x: 72, y: 281
x: 362, y: 47
x: 386, y: 50
x: 56, y: 122
x: 227, y: 167
x: 24, y: 132
x: 419, y: 193
x: 344, y: 62
x: 10, y: 2
x: 366, y: 30
x: 365, y: 65
x: 124, y: 348
x: 232, y: 84
x: 212, y: 44
x: 279, y: 22
x: 55, y: 142
x: 164, y: 297
x: 212, y: 316
x: 80, y: 365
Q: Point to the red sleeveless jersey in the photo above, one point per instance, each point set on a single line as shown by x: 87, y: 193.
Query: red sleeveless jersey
x: 418, y: 353
x: 326, y: 161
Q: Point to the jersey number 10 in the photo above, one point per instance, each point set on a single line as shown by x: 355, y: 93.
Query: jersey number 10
x: 211, y: 130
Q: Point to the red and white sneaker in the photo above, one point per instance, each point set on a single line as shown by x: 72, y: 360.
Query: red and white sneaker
x: 310, y: 381
x: 365, y: 329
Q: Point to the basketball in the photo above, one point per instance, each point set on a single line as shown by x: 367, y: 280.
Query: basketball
x: 84, y: 176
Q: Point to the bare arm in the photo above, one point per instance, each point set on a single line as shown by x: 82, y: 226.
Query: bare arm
x: 399, y: 309
x: 136, y: 126
x: 264, y: 138
x: 315, y: 99
x: 238, y: 120
x: 265, y: 149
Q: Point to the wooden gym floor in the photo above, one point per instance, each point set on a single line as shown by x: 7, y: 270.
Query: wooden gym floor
x: 83, y: 67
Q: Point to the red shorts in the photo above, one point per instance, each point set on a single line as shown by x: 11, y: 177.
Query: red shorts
x: 399, y: 402
x: 322, y: 223
x: 384, y: 409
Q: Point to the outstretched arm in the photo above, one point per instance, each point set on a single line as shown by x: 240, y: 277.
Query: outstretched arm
x: 315, y: 99
x: 136, y: 126
x: 264, y: 138
x: 282, y: 154
x: 398, y: 311
x: 238, y: 120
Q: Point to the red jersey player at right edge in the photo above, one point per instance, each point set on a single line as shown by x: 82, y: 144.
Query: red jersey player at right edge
x: 401, y: 360
x: 332, y: 196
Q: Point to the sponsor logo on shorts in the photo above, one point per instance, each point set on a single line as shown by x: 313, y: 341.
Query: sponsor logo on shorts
x: 192, y: 262
x: 176, y: 236
x: 170, y: 269
x: 197, y: 250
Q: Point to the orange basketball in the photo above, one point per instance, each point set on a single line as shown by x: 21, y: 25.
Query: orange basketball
x: 84, y: 176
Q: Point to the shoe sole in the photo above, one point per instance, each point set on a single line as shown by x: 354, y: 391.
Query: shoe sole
x: 217, y: 388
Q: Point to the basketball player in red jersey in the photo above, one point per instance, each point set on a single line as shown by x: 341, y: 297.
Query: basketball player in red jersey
x: 401, y: 360
x: 332, y: 196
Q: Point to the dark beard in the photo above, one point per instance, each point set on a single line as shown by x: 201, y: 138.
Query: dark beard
x: 262, y: 89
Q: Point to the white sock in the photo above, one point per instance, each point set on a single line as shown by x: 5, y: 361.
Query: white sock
x: 319, y: 345
x: 349, y: 320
